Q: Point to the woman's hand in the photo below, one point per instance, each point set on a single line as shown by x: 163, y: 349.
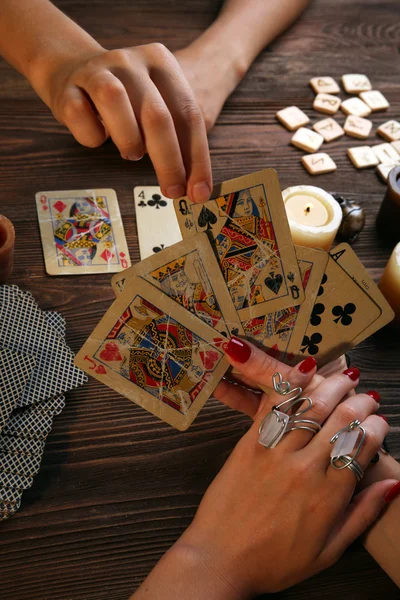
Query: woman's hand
x: 141, y: 98
x: 273, y: 517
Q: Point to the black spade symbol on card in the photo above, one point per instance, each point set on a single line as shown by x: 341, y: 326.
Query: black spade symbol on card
x: 206, y: 218
x: 274, y: 282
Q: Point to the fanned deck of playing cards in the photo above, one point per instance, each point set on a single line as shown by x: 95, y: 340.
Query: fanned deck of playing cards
x: 236, y: 272
x: 36, y: 368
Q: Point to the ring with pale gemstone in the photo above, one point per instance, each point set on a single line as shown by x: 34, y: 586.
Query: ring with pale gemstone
x: 345, y: 441
x: 282, y: 419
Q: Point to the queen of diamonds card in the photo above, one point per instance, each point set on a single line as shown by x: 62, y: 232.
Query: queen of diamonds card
x: 82, y: 232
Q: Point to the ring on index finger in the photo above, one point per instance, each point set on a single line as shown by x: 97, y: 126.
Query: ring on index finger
x: 281, y: 420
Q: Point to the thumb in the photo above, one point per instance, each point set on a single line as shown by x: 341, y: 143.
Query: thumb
x: 360, y: 514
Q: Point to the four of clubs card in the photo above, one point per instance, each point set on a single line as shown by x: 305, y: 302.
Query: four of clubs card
x: 156, y: 222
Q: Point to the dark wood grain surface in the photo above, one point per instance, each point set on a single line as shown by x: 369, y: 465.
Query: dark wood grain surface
x: 117, y: 486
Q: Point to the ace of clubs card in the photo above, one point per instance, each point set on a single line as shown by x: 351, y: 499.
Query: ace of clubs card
x: 82, y: 232
x: 344, y: 312
x: 156, y: 353
x: 156, y: 221
x: 346, y: 258
x: 248, y: 228
x: 188, y: 273
x: 283, y: 331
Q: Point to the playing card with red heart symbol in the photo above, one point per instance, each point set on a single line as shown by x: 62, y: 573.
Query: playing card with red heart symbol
x: 156, y: 353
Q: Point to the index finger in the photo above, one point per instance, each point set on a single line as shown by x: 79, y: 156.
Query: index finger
x: 189, y: 125
x: 257, y: 366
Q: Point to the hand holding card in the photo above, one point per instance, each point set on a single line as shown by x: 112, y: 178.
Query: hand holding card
x: 156, y: 353
x: 248, y: 228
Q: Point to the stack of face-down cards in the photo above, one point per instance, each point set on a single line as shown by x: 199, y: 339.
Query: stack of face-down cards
x: 36, y: 369
x: 236, y: 272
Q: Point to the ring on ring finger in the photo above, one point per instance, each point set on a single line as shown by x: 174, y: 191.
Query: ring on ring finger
x: 345, y: 441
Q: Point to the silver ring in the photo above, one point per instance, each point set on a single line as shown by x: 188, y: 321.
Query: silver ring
x: 346, y: 440
x: 278, y: 422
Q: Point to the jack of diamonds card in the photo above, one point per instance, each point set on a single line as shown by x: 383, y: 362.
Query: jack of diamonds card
x: 247, y: 225
x: 82, y: 232
x: 156, y: 353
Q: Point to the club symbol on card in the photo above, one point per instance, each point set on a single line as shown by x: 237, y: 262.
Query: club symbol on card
x: 274, y: 282
x: 157, y: 201
x: 311, y: 343
x: 343, y: 313
x: 158, y: 248
x: 206, y: 218
x: 321, y: 287
x: 142, y: 203
x: 318, y: 310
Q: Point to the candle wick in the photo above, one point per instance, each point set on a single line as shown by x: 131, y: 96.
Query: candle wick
x: 307, y: 210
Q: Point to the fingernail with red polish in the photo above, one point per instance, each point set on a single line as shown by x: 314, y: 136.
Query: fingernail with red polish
x: 382, y: 417
x: 238, y: 350
x: 392, y: 493
x: 374, y: 395
x: 307, y: 365
x: 353, y: 373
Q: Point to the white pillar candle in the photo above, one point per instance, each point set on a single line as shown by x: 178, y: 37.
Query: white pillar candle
x: 314, y: 216
x: 390, y: 282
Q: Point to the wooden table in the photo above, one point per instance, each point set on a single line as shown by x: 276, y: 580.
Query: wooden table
x: 117, y: 486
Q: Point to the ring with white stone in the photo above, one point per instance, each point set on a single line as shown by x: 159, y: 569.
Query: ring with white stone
x: 278, y: 422
x: 345, y: 441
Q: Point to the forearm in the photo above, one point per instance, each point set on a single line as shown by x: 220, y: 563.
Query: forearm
x: 243, y: 29
x: 383, y: 539
x: 182, y: 573
x: 36, y: 37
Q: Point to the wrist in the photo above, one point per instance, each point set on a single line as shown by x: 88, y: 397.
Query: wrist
x: 222, y: 49
x: 184, y: 572
x: 224, y: 574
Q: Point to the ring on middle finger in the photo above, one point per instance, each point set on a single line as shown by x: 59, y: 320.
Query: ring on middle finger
x: 278, y: 422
